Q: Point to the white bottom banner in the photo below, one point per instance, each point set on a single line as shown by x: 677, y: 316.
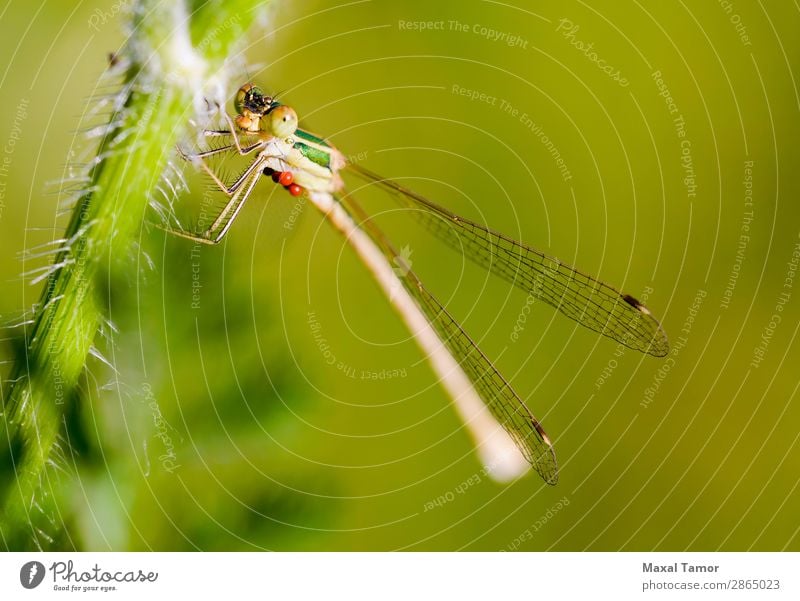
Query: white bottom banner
x: 400, y: 576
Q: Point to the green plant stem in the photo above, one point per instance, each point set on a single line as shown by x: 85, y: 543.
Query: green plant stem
x: 174, y: 52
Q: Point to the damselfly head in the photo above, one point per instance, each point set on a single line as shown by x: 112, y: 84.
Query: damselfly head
x: 252, y: 102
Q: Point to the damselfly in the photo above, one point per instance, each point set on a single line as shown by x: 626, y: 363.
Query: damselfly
x: 268, y: 131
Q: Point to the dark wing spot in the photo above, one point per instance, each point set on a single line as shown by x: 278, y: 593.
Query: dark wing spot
x: 632, y: 301
x: 635, y: 304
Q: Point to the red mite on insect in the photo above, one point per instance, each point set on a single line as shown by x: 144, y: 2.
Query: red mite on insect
x: 285, y: 179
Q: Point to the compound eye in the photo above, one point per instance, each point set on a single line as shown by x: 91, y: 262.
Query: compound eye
x: 283, y: 121
x: 241, y: 97
x: 254, y: 95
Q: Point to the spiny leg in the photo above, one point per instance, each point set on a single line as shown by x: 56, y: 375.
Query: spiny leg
x: 234, y: 210
x: 213, y: 151
x: 220, y: 227
x: 228, y: 190
x: 213, y: 133
x: 241, y: 135
x: 253, y: 172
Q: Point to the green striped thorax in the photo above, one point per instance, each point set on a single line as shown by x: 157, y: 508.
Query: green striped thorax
x: 314, y: 148
x: 281, y: 121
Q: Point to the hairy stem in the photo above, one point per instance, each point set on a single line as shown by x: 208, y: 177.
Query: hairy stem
x: 175, y: 56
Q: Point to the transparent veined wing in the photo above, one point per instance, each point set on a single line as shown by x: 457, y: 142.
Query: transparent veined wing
x: 498, y: 395
x: 584, y: 299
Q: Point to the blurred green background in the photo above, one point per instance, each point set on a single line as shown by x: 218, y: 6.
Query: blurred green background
x: 250, y: 411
